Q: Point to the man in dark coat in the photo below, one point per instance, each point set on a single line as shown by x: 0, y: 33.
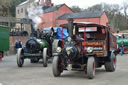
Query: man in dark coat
x: 18, y: 45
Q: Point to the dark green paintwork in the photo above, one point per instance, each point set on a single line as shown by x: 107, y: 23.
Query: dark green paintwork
x: 125, y: 40
x: 45, y: 44
x: 36, y: 54
x: 4, y: 38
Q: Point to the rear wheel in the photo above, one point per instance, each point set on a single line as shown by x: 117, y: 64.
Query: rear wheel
x: 57, y: 68
x: 20, y: 59
x: 111, y: 66
x: 91, y: 67
x: 45, y: 57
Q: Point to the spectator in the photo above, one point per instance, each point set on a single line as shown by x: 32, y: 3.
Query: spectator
x: 18, y: 45
x: 122, y: 48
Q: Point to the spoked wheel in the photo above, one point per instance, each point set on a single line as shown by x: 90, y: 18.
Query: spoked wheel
x: 111, y: 66
x: 20, y: 59
x: 45, y: 57
x: 91, y: 67
x: 57, y: 66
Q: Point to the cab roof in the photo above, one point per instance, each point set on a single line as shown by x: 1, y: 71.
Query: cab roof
x: 84, y: 24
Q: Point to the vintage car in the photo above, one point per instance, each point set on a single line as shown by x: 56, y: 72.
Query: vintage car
x: 4, y: 40
x: 88, y: 46
x: 122, y: 37
x: 37, y: 48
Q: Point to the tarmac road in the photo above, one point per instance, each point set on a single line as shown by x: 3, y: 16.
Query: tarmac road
x: 36, y: 74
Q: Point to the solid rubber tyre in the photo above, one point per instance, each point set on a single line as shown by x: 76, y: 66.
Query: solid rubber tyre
x: 56, y: 66
x: 111, y: 66
x: 91, y: 67
x: 20, y: 60
x: 45, y: 57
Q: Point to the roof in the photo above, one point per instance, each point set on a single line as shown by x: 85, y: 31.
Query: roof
x: 81, y: 24
x: 53, y: 8
x: 25, y: 2
x: 15, y: 20
x: 84, y: 14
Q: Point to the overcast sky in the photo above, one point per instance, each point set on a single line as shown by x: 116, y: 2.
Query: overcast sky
x: 86, y: 3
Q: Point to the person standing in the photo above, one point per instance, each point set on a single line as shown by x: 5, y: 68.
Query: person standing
x: 122, y: 48
x: 18, y: 45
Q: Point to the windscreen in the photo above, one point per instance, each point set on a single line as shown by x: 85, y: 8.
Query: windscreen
x: 92, y: 33
x: 88, y: 29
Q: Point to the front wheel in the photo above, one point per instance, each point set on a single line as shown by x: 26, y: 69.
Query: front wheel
x: 45, y: 57
x: 111, y: 66
x: 91, y: 67
x: 57, y: 68
x: 20, y: 59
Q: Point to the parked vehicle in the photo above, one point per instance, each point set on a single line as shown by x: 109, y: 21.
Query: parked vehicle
x: 88, y: 46
x: 4, y: 40
x: 122, y: 37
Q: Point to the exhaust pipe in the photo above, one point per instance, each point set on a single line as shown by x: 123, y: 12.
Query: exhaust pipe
x: 33, y: 31
x: 70, y: 26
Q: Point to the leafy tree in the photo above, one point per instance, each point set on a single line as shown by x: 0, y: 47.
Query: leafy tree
x: 116, y: 18
x: 8, y: 7
x: 94, y: 8
x: 125, y: 7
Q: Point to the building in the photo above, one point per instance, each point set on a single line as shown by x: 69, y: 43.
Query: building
x: 21, y: 13
x: 51, y: 15
x: 54, y: 16
x: 99, y: 17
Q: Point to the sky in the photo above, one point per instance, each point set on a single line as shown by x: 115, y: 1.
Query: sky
x: 86, y: 3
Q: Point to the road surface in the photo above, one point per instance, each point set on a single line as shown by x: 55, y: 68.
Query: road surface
x: 36, y: 74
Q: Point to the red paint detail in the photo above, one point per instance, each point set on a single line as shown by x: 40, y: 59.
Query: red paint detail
x: 59, y: 66
x: 103, y: 31
x: 84, y: 33
x: 1, y: 56
x: 62, y: 38
x: 93, y: 67
x: 114, y: 62
x: 125, y: 50
x: 84, y: 38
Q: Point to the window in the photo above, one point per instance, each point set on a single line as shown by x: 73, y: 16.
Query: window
x: 22, y: 10
x: 18, y: 11
x: 88, y: 29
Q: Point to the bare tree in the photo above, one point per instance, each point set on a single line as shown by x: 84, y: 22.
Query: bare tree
x: 125, y: 7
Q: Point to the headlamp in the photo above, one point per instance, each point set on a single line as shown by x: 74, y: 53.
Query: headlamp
x: 89, y: 49
x: 58, y: 49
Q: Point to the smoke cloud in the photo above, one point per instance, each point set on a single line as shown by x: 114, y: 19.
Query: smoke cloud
x: 34, y: 10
